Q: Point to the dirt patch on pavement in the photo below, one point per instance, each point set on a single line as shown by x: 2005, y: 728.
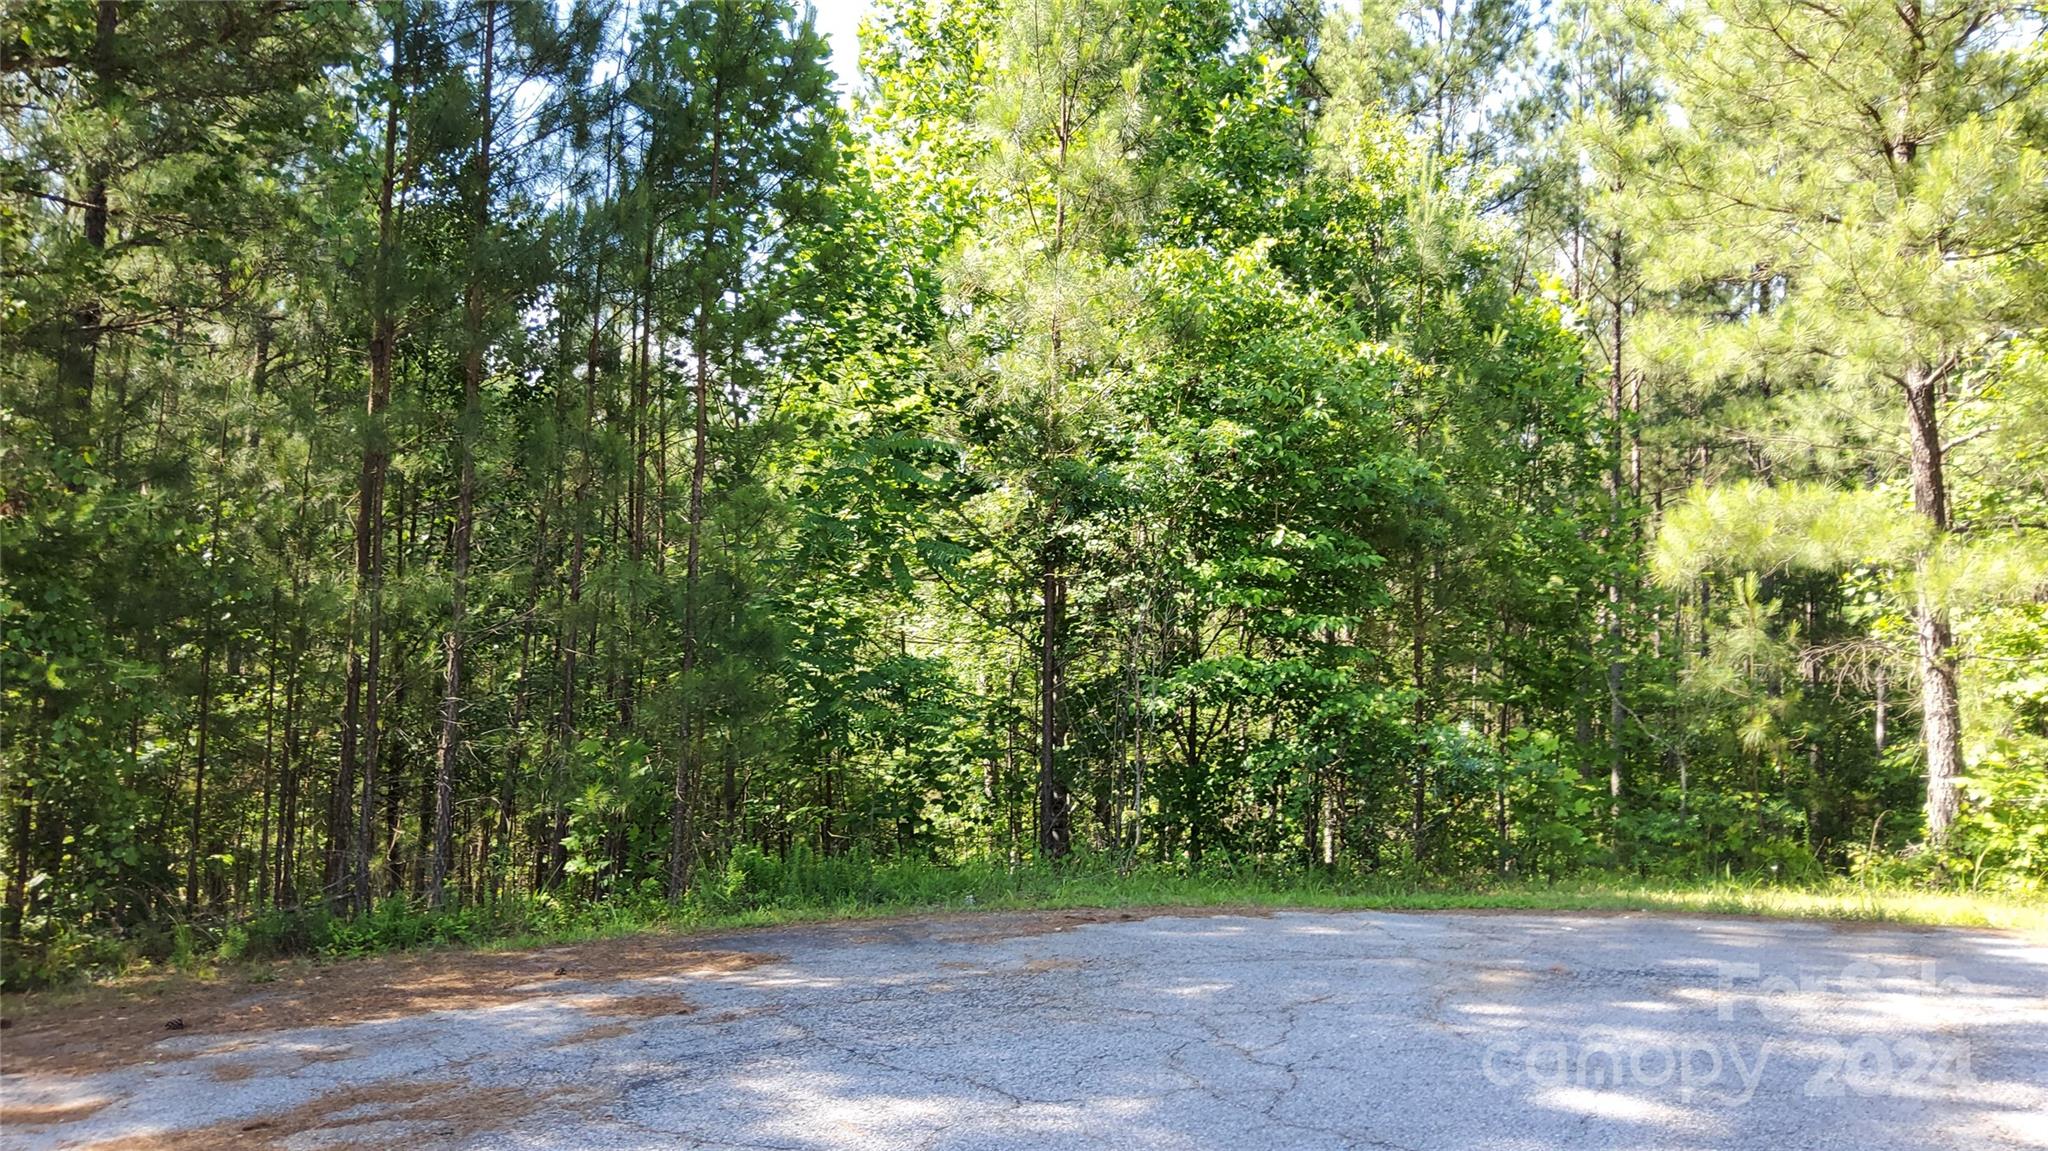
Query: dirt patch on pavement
x: 47, y: 1114
x: 115, y: 1027
x: 632, y: 1006
x: 394, y: 1113
x: 595, y: 1034
x: 994, y: 927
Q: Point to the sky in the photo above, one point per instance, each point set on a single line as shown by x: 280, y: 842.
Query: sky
x: 839, y: 20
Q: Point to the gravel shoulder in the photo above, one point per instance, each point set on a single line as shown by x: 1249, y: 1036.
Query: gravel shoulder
x: 1084, y: 1029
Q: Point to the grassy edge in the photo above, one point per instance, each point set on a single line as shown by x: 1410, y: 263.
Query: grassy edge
x: 1836, y: 904
x: 1842, y: 905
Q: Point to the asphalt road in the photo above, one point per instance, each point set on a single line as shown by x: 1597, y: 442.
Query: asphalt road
x: 1295, y: 1031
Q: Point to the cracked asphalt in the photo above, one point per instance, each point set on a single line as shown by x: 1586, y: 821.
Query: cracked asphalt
x: 1295, y: 1030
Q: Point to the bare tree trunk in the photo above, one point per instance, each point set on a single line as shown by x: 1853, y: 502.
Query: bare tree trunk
x: 1941, y: 712
x: 1054, y: 830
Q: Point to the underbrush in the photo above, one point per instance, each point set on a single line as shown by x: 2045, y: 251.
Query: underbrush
x: 753, y: 888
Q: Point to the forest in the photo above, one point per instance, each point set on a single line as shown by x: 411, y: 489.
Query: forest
x: 455, y: 455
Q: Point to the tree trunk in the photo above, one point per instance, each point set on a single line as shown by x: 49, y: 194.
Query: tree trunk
x: 465, y: 495
x: 78, y: 350
x: 206, y: 647
x: 688, y: 757
x: 394, y: 763
x: 269, y: 764
x: 364, y: 684
x: 1941, y: 713
x: 1418, y: 827
x: 1138, y: 721
x: 636, y: 487
x: 334, y: 870
x: 1012, y: 819
x: 571, y: 634
x: 522, y: 697
x: 286, y: 891
x: 1615, y: 639
x: 551, y: 856
x: 1054, y: 832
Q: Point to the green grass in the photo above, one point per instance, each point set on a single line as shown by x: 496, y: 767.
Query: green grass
x: 755, y: 890
x: 1831, y: 901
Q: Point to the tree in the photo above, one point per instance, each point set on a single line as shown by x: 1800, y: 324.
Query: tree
x: 501, y: 457
x: 1444, y: 68
x: 1857, y: 165
x: 1046, y: 299
x: 161, y: 166
x: 742, y: 138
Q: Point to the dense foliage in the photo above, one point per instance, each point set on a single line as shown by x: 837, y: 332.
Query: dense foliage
x: 465, y: 452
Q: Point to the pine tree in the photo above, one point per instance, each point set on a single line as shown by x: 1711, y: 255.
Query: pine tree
x: 742, y: 136
x: 1856, y: 166
x: 1061, y: 120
